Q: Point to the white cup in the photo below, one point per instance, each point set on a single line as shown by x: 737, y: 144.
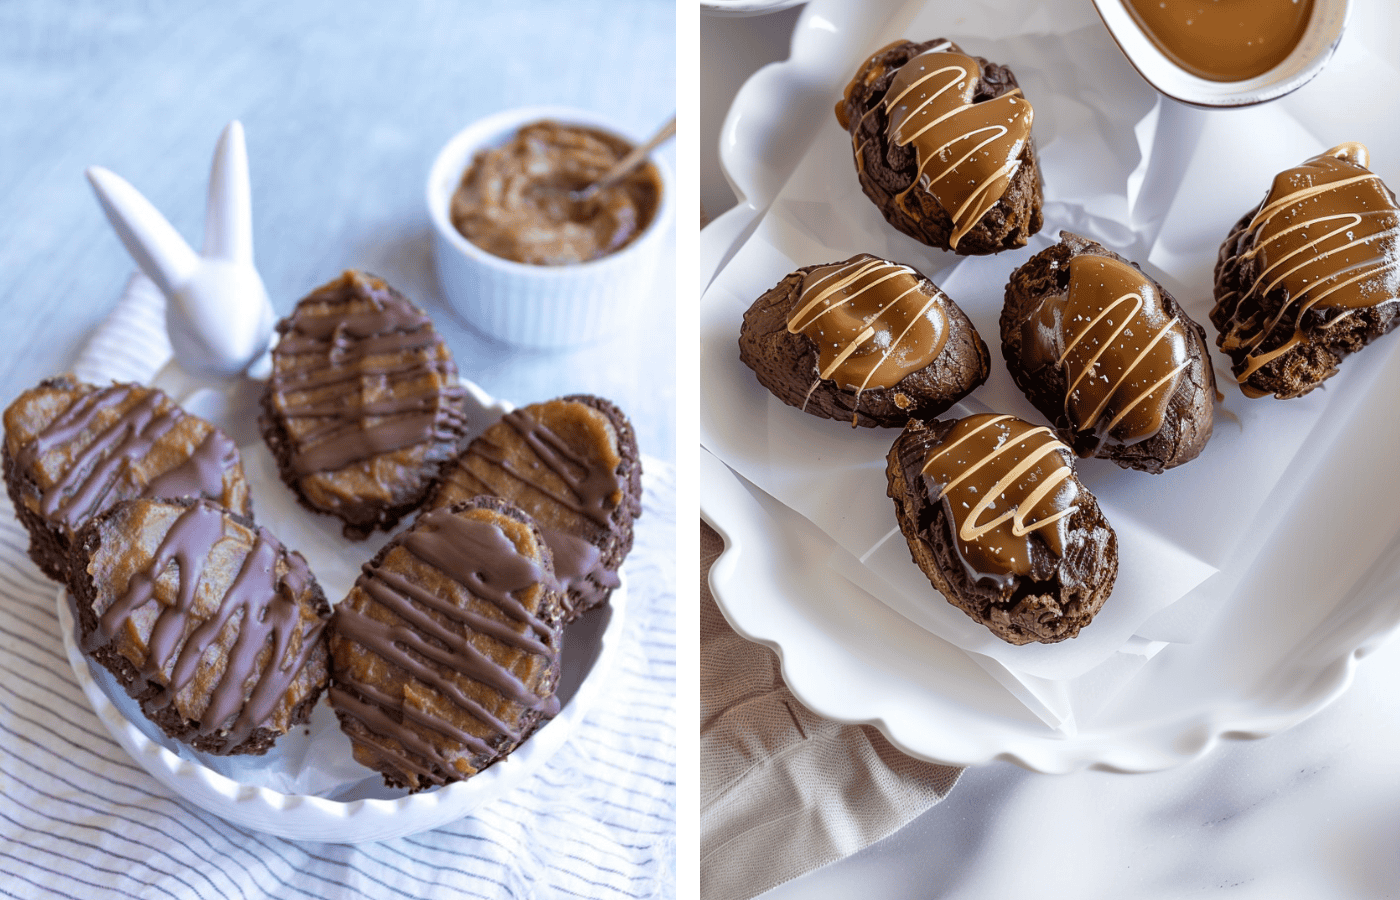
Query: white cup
x: 533, y: 305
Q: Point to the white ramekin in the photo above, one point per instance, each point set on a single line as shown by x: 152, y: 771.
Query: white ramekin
x: 529, y: 305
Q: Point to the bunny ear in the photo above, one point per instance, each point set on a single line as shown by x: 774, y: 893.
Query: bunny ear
x: 228, y: 212
x: 151, y: 240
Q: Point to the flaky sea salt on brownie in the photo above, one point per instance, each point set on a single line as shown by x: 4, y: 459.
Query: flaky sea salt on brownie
x: 865, y: 339
x: 364, y: 404
x: 445, y: 653
x: 996, y: 517
x: 73, y: 450
x: 1108, y: 356
x: 942, y: 145
x: 213, y: 626
x: 1310, y: 275
x: 573, y: 465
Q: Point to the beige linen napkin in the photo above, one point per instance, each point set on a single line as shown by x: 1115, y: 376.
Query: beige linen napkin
x: 782, y: 790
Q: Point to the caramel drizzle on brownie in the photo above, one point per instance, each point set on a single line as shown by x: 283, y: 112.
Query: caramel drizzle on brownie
x: 85, y: 487
x: 479, y: 556
x: 320, y: 352
x: 263, y: 603
x: 1123, y: 355
x: 1327, y: 236
x: 967, y: 152
x: 870, y: 321
x: 989, y: 459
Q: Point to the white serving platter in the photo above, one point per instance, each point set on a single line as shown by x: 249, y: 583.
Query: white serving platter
x: 1318, y: 587
x: 308, y: 787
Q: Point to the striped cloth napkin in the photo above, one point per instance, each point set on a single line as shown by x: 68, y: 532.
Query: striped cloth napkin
x: 80, y: 819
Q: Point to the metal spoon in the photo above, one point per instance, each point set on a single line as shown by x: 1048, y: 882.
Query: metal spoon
x: 626, y: 164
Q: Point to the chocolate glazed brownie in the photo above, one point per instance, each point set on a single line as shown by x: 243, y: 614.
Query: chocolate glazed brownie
x: 1108, y: 356
x: 205, y: 618
x: 363, y: 406
x: 996, y: 518
x: 942, y: 145
x: 865, y: 339
x: 445, y: 653
x: 1309, y: 276
x: 74, y: 450
x: 573, y: 465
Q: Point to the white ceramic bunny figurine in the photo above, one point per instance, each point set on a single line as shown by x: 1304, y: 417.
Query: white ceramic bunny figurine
x: 217, y: 311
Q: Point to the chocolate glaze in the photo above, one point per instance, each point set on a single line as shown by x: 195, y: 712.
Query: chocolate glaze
x: 1001, y: 481
x: 579, y: 568
x: 595, y: 489
x: 1327, y: 237
x: 967, y: 152
x: 477, y: 555
x: 320, y: 351
x: 571, y: 464
x: 200, y: 475
x: 1123, y: 353
x: 81, y: 491
x: 263, y: 603
x: 870, y: 322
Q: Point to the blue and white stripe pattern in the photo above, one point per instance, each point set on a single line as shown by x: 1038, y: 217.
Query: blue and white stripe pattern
x: 79, y: 819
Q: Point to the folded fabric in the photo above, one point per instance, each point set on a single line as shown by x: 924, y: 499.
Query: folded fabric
x: 782, y: 790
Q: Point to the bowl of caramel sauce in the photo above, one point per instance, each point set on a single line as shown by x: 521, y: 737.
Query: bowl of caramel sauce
x: 519, y: 253
x: 1226, y: 53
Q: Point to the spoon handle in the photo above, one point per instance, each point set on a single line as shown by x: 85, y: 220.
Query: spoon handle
x: 629, y: 162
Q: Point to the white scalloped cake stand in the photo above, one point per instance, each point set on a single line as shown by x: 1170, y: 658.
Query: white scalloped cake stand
x: 363, y: 809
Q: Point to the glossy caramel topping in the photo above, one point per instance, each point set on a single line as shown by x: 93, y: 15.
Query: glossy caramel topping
x: 967, y: 152
x: 359, y: 372
x: 1328, y: 236
x: 870, y: 320
x: 184, y: 635
x: 1224, y: 40
x: 1123, y: 355
x: 1001, y: 480
x: 454, y: 610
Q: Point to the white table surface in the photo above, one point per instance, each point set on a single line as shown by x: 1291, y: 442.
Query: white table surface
x: 1311, y: 812
x: 345, y: 105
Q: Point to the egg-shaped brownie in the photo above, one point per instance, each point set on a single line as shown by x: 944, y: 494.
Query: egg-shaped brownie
x: 1309, y: 276
x: 996, y: 517
x: 205, y: 618
x: 942, y: 145
x: 445, y: 653
x: 868, y: 340
x: 74, y: 450
x: 364, y: 405
x: 573, y: 465
x: 1108, y: 356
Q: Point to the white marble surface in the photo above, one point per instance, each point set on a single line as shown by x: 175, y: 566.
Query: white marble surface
x: 345, y: 105
x: 1311, y: 812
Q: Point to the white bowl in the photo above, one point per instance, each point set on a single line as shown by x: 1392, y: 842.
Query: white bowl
x: 530, y: 305
x: 1314, y: 49
x: 743, y: 8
